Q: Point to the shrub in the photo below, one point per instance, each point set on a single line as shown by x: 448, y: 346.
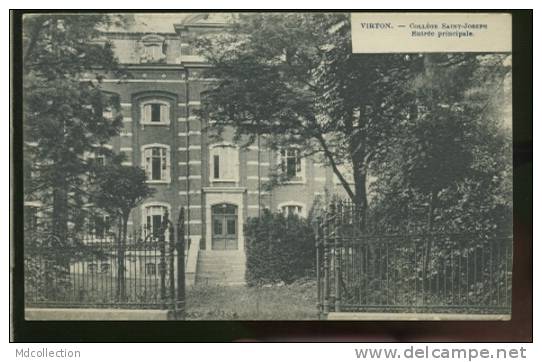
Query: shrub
x: 279, y: 248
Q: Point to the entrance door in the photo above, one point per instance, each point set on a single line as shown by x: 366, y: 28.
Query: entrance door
x: 225, y: 233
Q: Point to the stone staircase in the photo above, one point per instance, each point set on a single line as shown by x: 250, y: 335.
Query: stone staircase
x: 225, y: 267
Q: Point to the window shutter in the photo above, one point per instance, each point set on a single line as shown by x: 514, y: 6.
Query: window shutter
x: 164, y: 113
x: 227, y: 170
x: 236, y: 163
x: 147, y: 113
x: 224, y: 162
x: 231, y: 163
x: 165, y: 164
x: 216, y: 165
x: 282, y: 161
x: 147, y: 163
x: 297, y: 162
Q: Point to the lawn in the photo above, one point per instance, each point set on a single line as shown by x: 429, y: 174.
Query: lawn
x: 296, y: 301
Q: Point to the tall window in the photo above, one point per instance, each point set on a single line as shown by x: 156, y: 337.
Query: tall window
x: 95, y: 162
x: 153, y: 217
x: 155, y: 112
x: 102, y: 225
x: 156, y: 163
x: 110, y: 105
x: 224, y: 163
x: 291, y: 164
x: 99, y: 225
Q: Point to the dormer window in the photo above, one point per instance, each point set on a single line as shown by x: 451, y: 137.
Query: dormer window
x: 155, y: 112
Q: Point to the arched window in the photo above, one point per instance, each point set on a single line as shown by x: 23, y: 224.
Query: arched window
x: 224, y: 162
x: 155, y: 161
x: 155, y: 112
x: 292, y: 208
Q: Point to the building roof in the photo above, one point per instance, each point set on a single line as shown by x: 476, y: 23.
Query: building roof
x: 166, y: 22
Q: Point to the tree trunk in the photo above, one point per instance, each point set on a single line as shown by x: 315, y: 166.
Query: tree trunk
x: 360, y: 199
x: 121, y: 280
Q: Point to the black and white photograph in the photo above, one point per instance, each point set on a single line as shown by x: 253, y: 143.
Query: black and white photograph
x: 248, y: 166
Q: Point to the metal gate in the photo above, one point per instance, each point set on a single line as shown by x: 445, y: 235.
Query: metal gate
x: 463, y: 273
x: 145, y: 272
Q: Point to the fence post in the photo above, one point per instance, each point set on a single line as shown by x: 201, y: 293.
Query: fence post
x: 180, y: 298
x: 338, y: 219
x: 325, y: 237
x: 316, y: 227
x: 162, y: 242
x: 121, y: 275
x: 48, y: 275
x: 171, y: 265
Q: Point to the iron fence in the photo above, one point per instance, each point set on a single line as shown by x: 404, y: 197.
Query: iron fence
x: 145, y: 271
x: 420, y: 273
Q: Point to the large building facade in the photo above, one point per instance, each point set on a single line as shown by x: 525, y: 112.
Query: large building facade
x: 218, y: 182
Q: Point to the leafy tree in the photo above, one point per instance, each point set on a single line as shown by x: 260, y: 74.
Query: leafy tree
x: 454, y: 147
x: 63, y: 117
x: 293, y: 79
x: 118, y: 190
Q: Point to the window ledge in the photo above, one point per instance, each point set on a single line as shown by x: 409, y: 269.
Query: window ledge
x: 155, y: 123
x: 223, y: 180
x: 159, y: 181
x: 224, y: 189
x: 294, y: 182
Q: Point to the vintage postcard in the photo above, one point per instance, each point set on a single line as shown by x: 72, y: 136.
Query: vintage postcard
x: 267, y: 166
